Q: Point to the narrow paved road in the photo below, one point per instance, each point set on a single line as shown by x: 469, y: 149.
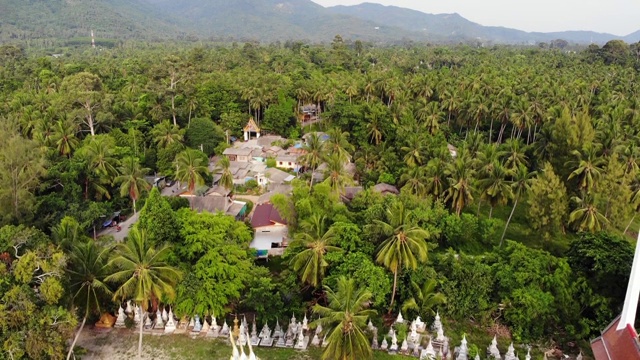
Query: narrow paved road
x: 125, y: 227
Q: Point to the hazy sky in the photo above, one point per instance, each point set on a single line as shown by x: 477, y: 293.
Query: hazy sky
x: 619, y: 17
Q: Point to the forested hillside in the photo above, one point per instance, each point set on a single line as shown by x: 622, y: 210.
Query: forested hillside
x: 63, y: 20
x: 525, y: 231
x: 47, y: 22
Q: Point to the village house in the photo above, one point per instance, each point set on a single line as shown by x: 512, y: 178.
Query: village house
x: 271, y: 231
x: 288, y: 162
x: 238, y: 154
x: 218, y: 200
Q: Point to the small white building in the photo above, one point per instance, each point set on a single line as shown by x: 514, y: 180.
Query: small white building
x: 271, y: 231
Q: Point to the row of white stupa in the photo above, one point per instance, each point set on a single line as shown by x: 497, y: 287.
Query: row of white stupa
x: 294, y: 336
x: 438, y: 346
x: 298, y: 335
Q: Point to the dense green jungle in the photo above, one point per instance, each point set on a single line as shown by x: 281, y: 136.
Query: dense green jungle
x: 518, y: 172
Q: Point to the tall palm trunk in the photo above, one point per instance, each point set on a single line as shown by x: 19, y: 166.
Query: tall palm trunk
x: 75, y: 339
x: 630, y: 222
x: 491, y: 131
x: 508, y: 221
x: 393, y: 294
x: 140, y: 336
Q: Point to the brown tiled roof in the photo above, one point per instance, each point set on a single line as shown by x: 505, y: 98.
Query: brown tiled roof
x: 266, y: 215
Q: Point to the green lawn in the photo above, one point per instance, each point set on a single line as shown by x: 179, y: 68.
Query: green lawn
x: 122, y: 344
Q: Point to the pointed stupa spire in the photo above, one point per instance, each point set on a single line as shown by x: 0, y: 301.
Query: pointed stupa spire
x: 252, y: 355
x: 235, y: 355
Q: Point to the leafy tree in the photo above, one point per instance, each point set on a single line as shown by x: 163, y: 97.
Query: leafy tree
x: 157, y: 210
x: 34, y: 322
x: 215, y: 247
x: 405, y: 245
x: 547, y: 201
x: 131, y: 180
x: 536, y: 290
x: 604, y: 261
x: 85, y: 90
x: 468, y: 285
x: 87, y: 271
x: 279, y: 117
x: 143, y: 273
x: 263, y: 296
x: 204, y: 134
x: 344, y: 318
x: 21, y: 166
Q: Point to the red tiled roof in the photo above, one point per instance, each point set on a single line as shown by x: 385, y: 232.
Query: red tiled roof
x: 266, y: 215
x: 617, y: 344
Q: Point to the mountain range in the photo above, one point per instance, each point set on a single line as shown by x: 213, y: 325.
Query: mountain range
x: 261, y: 20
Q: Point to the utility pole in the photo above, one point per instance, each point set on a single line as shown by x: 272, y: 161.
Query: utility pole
x: 93, y: 40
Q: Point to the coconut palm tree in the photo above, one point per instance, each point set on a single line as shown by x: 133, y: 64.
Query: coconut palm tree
x: 88, y: 267
x: 143, y: 273
x: 520, y: 183
x: 374, y: 128
x: 344, y: 319
x: 101, y: 164
x: 435, y: 178
x: 414, y: 150
x: 586, y: 217
x: 313, y: 155
x: 514, y: 153
x: 587, y: 168
x: 460, y: 176
x: 336, y: 175
x: 131, y: 180
x: 224, y: 169
x: 338, y: 144
x: 495, y: 187
x: 166, y: 134
x: 316, y: 239
x: 405, y: 245
x: 65, y: 137
x: 190, y: 168
x: 413, y: 180
x: 425, y: 298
